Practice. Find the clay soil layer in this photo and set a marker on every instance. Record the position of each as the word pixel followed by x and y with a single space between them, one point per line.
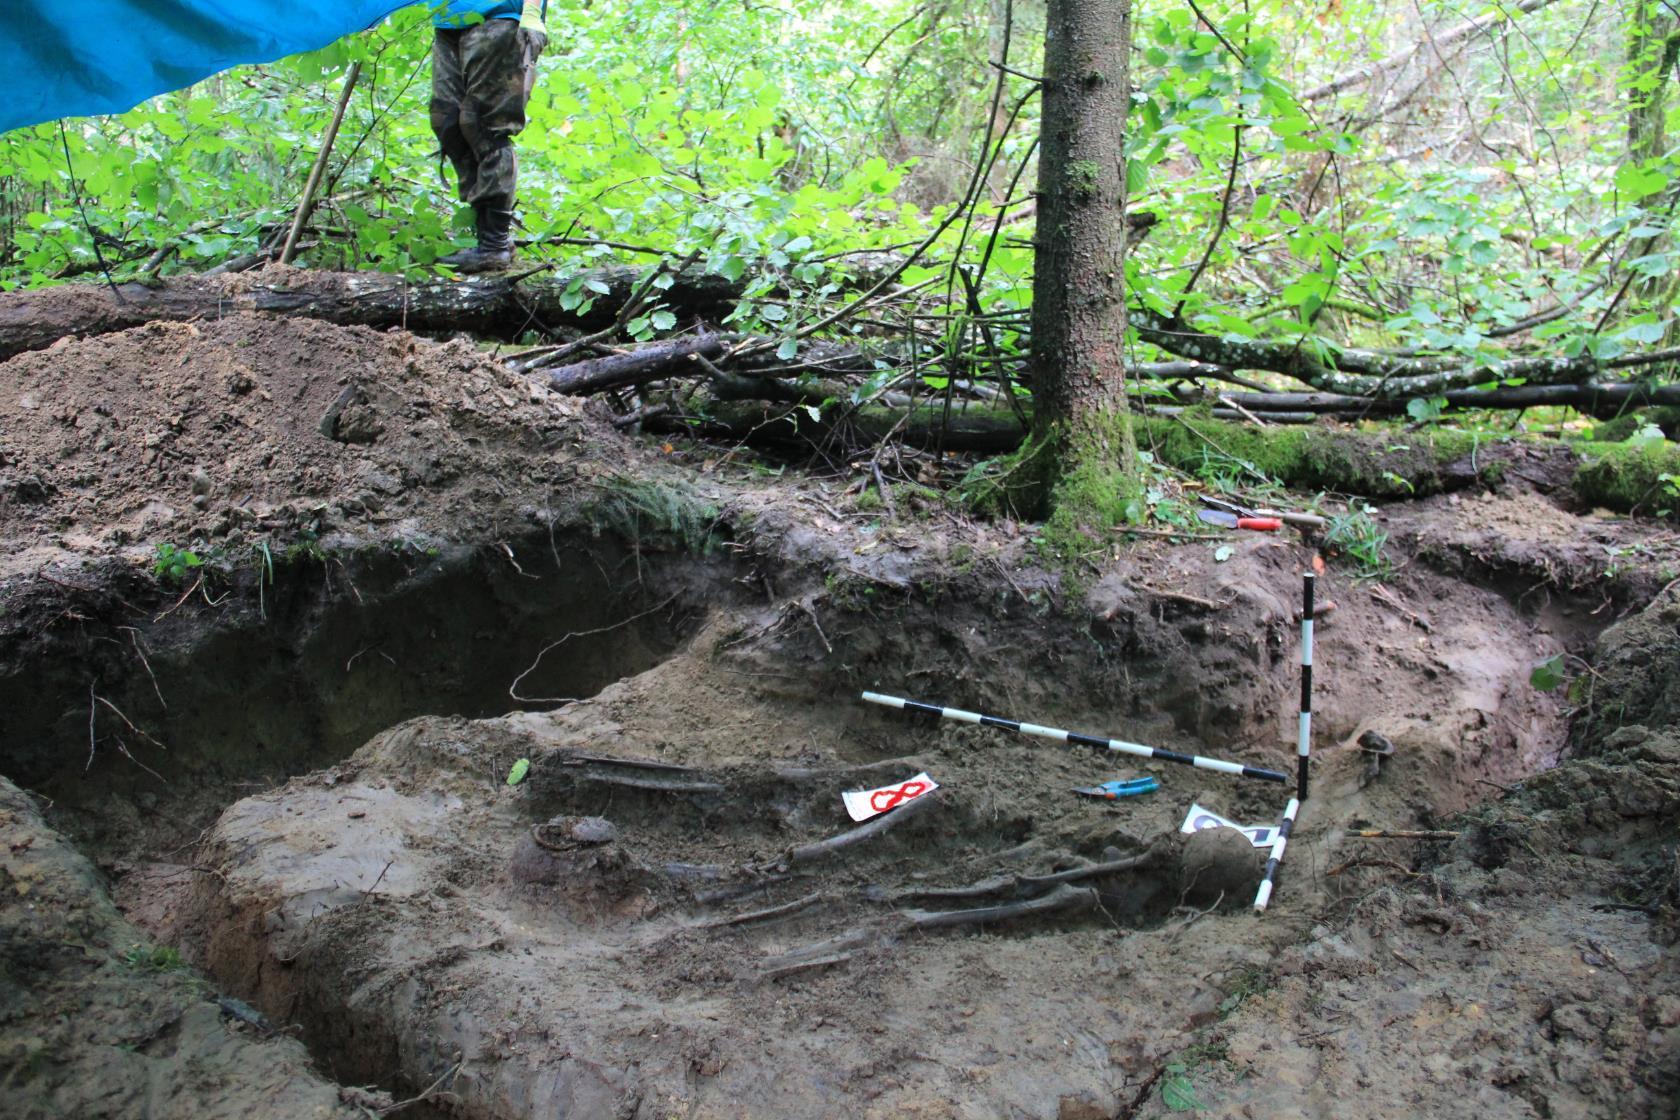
pixel 283 603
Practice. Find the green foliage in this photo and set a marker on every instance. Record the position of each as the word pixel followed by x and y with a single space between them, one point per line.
pixel 689 128
pixel 1178 1092
pixel 1357 536
pixel 1548 674
pixel 641 510
pixel 153 958
pixel 172 563
pixel 520 769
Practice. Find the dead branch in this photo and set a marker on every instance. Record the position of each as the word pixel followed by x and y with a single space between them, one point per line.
pixel 649 363
pixel 1365 74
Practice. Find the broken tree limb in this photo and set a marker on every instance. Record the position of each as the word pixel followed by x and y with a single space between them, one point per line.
pixel 1377 375
pixel 649 363
pixel 1436 43
pixel 1599 398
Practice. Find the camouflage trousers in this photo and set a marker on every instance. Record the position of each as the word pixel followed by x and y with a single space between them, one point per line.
pixel 481 80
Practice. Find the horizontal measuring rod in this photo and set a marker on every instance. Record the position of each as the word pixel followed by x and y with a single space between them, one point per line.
pixel 1074 737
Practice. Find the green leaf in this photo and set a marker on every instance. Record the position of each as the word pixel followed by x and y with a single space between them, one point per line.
pixel 1179 1094
pixel 663 320
pixel 1547 674
pixel 1638 182
pixel 1223 553
pixel 520 769
pixel 788 350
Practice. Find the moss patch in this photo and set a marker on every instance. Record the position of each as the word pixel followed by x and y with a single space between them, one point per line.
pixel 1625 427
pixel 1629 476
pixel 1381 465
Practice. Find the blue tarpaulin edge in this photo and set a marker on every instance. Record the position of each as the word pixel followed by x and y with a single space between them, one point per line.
pixel 106 56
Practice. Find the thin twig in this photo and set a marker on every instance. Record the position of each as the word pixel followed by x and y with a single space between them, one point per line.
pixel 307 202
pixel 381 878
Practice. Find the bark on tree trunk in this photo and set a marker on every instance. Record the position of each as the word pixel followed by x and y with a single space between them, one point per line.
pixel 1079 284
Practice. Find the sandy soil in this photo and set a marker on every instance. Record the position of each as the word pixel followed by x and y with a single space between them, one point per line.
pixel 423 925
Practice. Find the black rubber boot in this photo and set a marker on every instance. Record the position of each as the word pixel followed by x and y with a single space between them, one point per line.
pixel 494 251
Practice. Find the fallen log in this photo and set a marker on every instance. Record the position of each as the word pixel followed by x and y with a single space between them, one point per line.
pixel 493 306
pixel 1598 398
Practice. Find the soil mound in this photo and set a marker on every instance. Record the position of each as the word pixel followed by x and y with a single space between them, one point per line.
pixel 220 433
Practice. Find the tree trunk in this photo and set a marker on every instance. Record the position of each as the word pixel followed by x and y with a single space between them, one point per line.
pixel 1082 427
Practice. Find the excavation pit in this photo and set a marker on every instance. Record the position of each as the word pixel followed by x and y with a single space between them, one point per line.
pixel 659 919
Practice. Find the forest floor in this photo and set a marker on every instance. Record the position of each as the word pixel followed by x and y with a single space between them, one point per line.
pixel 282 603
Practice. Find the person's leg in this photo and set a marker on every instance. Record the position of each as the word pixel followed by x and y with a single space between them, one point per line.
pixel 498 66
pixel 449 95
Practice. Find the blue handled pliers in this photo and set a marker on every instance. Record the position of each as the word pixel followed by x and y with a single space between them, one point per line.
pixel 1113 791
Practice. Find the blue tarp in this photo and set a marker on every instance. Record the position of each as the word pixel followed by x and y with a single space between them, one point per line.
pixel 69 58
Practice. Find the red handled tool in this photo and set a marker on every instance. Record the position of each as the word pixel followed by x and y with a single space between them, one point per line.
pixel 1306 522
pixel 1233 521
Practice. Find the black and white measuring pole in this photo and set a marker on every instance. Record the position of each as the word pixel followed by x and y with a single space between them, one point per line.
pixel 1282 841
pixel 1061 736
pixel 1305 744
